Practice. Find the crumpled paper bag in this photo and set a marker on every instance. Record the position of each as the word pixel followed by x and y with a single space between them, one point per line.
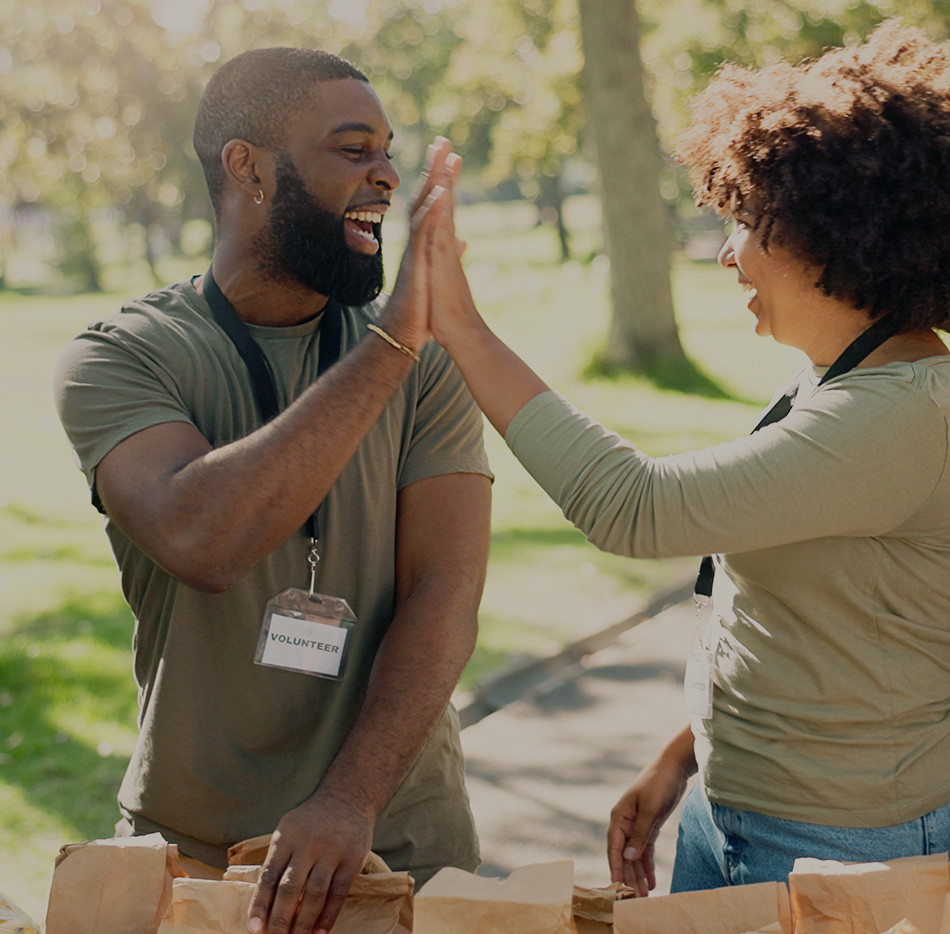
pixel 252 853
pixel 831 897
pixel 206 906
pixel 532 900
pixel 374 905
pixel 731 910
pixel 902 927
pixel 117 886
pixel 593 908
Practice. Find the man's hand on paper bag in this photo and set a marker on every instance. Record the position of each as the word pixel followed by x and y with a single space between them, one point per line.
pixel 317 850
pixel 637 817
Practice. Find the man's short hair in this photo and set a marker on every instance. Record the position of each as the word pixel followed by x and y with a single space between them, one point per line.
pixel 250 98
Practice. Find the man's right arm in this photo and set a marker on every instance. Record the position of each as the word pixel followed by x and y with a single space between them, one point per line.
pixel 207 515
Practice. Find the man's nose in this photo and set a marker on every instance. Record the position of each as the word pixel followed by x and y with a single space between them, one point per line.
pixel 384 174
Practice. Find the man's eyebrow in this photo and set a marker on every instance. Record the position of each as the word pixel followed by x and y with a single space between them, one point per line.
pixel 357 128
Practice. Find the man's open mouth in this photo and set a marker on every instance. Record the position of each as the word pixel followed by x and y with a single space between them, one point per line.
pixel 364 225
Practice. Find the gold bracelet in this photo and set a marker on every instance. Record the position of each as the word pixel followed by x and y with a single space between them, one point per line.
pixel 402 348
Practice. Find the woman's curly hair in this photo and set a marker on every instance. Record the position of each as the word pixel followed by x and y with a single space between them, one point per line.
pixel 846 162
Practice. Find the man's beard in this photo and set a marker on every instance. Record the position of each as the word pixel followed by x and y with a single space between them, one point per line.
pixel 306 243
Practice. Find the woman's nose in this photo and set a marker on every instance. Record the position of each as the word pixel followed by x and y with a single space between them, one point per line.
pixel 727 256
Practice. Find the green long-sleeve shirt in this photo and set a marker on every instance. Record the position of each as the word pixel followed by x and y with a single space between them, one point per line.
pixel 831 624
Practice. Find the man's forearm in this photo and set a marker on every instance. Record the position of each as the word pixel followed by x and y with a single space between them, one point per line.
pixel 224 509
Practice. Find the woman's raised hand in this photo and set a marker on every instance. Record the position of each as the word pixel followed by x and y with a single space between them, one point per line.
pixel 407 314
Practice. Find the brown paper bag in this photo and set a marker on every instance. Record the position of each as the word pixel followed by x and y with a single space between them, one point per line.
pixel 731 910
pixel 206 906
pixel 902 927
pixel 203 906
pixel 532 900
pixel 830 897
pixel 253 852
pixel 250 874
pixel 594 908
pixel 118 886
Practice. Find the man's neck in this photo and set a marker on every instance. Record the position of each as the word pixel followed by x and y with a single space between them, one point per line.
pixel 259 299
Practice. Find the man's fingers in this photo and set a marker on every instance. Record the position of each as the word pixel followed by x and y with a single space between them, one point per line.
pixel 312 900
pixel 453 165
pixel 419 215
pixel 436 154
pixel 334 899
pixel 274 865
pixel 287 900
pixel 438 145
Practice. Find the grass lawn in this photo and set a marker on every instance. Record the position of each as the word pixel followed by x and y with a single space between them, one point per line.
pixel 67 700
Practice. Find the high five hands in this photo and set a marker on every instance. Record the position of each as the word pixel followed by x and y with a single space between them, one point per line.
pixel 431 297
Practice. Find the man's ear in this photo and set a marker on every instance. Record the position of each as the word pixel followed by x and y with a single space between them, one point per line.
pixel 249 167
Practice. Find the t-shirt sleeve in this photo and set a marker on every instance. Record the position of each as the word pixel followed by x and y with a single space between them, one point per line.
pixel 856 459
pixel 105 392
pixel 447 426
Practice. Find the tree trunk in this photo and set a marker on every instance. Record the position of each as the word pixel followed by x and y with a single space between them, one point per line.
pixel 639 238
pixel 80 260
pixel 551 205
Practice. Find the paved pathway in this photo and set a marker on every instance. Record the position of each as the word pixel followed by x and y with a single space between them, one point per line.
pixel 544 771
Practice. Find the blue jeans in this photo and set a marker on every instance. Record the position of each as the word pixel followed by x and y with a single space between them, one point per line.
pixel 719 846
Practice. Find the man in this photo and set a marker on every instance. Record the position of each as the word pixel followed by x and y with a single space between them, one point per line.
pixel 207 504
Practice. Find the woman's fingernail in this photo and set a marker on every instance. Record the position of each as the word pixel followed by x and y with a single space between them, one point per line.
pixel 255 926
pixel 630 854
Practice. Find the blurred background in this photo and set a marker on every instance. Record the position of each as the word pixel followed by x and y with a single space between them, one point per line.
pixel 585 253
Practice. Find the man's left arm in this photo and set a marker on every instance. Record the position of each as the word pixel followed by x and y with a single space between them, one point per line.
pixel 442 551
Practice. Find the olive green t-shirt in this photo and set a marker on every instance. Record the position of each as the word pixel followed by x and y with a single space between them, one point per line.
pixel 831 623
pixel 226 746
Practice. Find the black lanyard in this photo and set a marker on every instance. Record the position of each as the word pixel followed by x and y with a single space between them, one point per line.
pixel 853 354
pixel 261 379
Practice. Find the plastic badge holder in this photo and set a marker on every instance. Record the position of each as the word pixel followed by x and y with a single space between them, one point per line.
pixel 306 633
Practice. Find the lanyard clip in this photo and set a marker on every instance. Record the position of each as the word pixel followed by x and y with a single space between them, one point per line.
pixel 313 559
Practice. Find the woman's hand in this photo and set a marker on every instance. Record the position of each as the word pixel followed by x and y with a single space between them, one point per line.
pixel 407 314
pixel 499 381
pixel 636 819
pixel 454 318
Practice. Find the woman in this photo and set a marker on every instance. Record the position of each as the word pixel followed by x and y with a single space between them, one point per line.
pixel 829 644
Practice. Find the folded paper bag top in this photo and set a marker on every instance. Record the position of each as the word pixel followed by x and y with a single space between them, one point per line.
pixel 116 886
pixel 594 907
pixel 532 900
pixel 203 906
pixel 373 898
pixel 206 906
pixel 831 897
pixel 731 910
pixel 253 852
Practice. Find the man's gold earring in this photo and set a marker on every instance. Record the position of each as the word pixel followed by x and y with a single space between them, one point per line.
pixel 259 197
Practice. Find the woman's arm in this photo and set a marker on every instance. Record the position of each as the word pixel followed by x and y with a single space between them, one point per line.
pixel 637 817
pixel 500 381
pixel 856 459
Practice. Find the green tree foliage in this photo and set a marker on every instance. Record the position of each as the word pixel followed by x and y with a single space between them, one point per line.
pixel 95 117
pixel 97 97
pixel 686 41
pixel 514 101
